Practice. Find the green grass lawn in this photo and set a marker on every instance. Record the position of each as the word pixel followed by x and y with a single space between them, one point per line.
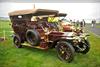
pixel 98 25
pixel 5 26
pixel 11 56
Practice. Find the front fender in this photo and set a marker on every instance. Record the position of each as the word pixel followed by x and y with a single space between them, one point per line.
pixel 57 40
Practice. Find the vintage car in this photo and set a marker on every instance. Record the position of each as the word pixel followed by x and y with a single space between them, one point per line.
pixel 31 26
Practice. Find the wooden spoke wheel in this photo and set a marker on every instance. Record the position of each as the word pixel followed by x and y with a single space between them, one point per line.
pixel 17 41
pixel 83 47
pixel 65 51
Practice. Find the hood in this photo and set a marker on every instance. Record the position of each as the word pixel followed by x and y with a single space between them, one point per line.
pixel 65 34
pixel 69 34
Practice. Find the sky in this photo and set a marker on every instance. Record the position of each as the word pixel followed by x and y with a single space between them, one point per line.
pixel 74 10
pixel 52 1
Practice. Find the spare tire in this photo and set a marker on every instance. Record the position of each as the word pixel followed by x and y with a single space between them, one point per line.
pixel 33 37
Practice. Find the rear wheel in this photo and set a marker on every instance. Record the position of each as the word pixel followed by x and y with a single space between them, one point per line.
pixel 17 41
pixel 65 51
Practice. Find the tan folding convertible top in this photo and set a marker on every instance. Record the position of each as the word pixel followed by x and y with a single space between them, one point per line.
pixel 62 14
pixel 35 12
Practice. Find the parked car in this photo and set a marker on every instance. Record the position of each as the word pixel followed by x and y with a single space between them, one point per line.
pixel 32 26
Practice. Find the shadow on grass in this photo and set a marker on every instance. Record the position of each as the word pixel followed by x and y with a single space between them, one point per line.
pixel 48 52
pixel 51 53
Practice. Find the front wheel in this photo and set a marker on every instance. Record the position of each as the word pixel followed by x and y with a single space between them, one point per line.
pixel 83 47
pixel 65 51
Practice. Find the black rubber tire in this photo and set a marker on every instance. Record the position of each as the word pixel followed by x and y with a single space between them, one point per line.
pixel 17 41
pixel 85 45
pixel 69 50
pixel 33 38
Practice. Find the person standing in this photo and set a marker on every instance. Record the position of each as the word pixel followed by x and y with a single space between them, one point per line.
pixel 77 23
pixel 93 22
pixel 83 22
pixel 73 22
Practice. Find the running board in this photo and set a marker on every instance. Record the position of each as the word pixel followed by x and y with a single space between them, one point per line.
pixel 38 47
